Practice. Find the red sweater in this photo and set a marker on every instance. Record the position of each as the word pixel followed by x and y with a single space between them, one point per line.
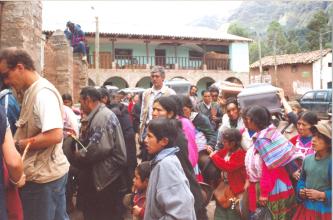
pixel 235 168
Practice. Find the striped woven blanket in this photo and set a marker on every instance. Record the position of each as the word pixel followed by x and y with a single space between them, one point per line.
pixel 274 148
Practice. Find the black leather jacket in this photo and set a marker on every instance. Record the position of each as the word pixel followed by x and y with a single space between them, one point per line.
pixel 106 151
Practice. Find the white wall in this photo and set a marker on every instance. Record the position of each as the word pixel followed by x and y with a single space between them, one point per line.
pixel 239 55
pixel 326 72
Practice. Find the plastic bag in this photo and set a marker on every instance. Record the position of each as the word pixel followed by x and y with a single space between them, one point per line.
pixel 262 213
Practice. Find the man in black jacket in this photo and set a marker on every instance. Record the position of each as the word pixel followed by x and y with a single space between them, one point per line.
pixel 102 161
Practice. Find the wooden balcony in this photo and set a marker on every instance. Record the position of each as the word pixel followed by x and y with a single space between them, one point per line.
pixel 140 62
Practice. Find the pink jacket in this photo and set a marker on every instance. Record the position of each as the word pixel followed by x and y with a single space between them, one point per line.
pixel 189 131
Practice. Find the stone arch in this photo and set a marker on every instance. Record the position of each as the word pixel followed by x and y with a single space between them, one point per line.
pixel 234 80
pixel 116 81
pixel 144 82
pixel 91 82
pixel 204 83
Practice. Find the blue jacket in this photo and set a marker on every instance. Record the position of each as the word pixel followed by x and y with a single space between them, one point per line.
pixel 75 37
pixel 12 108
pixel 3 127
pixel 168 193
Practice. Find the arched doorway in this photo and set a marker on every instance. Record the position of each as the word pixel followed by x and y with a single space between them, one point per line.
pixel 116 81
pixel 203 84
pixel 234 80
pixel 144 82
pixel 91 82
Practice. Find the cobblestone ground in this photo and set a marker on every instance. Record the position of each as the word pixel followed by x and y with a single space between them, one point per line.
pixel 76 215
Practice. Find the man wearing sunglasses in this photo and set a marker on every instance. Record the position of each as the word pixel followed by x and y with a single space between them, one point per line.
pixel 39 129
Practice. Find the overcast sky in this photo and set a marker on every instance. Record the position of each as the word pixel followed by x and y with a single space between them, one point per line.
pixel 131 14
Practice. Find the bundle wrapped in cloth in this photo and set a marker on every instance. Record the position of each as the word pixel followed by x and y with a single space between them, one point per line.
pixel 274 148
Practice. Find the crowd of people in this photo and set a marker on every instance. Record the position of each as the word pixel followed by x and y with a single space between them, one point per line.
pixel 159 154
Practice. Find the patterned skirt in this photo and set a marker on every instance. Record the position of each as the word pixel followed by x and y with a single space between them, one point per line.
pixel 315 213
pixel 281 202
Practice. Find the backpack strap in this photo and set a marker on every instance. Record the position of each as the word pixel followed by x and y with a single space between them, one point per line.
pixel 4 94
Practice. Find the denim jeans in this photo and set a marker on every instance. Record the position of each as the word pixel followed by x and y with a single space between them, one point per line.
pixel 80 48
pixel 45 201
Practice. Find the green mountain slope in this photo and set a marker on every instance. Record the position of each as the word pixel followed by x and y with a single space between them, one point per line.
pixel 290 14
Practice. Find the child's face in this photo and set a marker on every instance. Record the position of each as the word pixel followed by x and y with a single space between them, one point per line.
pixel 138 183
pixel 154 145
pixel 229 145
pixel 318 143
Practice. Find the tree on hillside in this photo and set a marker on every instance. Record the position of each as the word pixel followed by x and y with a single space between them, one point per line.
pixel 238 30
pixel 254 51
pixel 294 41
pixel 318 24
pixel 276 37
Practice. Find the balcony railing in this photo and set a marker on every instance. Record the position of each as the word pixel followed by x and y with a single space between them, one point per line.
pixel 140 62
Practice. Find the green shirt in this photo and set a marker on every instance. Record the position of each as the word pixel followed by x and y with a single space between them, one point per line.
pixel 316 173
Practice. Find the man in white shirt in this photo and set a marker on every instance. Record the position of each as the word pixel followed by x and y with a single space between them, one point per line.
pixel 40 126
pixel 157 76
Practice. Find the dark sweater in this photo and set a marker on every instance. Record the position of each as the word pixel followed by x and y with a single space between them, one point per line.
pixel 195 188
pixel 201 123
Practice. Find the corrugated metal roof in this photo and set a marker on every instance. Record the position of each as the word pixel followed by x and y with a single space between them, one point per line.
pixel 305 58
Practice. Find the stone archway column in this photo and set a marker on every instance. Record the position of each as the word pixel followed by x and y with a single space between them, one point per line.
pixel 80 76
pixel 64 69
pixel 21 26
pixel 59 62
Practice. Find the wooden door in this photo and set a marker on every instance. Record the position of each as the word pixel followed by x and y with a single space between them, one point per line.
pixel 160 58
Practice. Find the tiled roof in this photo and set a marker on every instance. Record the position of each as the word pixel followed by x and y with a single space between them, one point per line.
pixel 183 34
pixel 305 58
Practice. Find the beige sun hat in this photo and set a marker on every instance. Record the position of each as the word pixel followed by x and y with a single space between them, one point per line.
pixel 324 128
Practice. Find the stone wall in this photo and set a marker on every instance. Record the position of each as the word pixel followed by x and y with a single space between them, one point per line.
pixel 59 62
pixel 80 76
pixel 65 70
pixel 21 26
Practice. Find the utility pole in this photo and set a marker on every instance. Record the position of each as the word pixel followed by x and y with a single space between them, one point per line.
pixel 97 53
pixel 275 63
pixel 321 58
pixel 260 66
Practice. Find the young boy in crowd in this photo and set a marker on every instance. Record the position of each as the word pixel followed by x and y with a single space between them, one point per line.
pixel 140 184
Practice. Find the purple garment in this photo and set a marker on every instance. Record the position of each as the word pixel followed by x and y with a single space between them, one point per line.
pixel 189 131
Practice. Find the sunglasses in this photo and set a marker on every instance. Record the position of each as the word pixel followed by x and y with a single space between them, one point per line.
pixel 4 75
